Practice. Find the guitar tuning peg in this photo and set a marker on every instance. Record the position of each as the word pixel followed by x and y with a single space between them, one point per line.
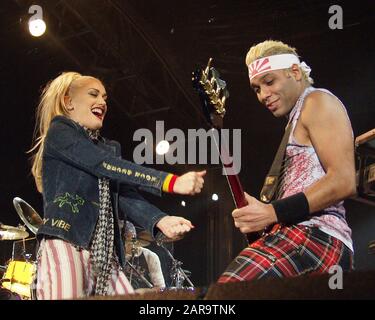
pixel 207 70
pixel 223 100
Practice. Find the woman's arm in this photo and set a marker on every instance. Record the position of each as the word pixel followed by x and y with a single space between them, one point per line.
pixel 65 142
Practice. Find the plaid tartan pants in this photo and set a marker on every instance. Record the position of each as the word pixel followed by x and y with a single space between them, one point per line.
pixel 286 252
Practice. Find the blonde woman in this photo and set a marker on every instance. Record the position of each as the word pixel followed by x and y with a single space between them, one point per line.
pixel 86 185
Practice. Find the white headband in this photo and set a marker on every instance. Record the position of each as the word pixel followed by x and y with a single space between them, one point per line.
pixel 275 62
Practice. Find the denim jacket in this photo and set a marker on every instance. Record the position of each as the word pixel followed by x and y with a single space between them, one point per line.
pixel 72 164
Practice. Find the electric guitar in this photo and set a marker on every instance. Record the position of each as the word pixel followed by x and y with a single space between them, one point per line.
pixel 213 94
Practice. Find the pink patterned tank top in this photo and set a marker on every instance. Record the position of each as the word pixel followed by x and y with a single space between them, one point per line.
pixel 302 169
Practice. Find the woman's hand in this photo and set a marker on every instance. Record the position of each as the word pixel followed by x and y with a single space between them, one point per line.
pixel 173 226
pixel 190 183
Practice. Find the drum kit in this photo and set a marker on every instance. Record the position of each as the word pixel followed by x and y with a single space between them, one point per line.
pixel 177 274
pixel 20 271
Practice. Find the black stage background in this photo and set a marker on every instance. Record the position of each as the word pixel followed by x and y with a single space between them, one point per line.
pixel 145 51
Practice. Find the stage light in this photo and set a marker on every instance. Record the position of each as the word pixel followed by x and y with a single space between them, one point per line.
pixel 162 147
pixel 37 26
pixel 183 203
pixel 215 197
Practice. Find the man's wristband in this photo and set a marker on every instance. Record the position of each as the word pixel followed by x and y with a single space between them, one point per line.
pixel 293 209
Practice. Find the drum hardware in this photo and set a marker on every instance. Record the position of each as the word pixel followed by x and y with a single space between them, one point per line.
pixel 19 274
pixel 12 233
pixel 365 176
pixel 135 245
pixel 4 280
pixel 27 214
pixel 20 271
pixel 132 246
pixel 178 275
pixel 187 272
pixel 144 235
pixel 18 278
pixel 27 256
pixel 148 284
pixel 6 294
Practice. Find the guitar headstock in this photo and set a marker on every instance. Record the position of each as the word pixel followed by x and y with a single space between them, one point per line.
pixel 213 93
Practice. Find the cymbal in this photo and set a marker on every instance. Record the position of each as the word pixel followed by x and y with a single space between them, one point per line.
pixel 12 233
pixel 28 214
pixel 138 242
pixel 144 235
pixel 135 244
pixel 164 239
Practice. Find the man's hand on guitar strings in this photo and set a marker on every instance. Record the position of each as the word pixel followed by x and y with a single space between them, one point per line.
pixel 255 216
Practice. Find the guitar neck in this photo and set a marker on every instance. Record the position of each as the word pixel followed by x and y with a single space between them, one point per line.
pixel 230 173
pixel 213 94
pixel 236 190
pixel 234 183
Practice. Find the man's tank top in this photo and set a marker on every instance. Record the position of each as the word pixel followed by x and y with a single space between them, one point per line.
pixel 302 169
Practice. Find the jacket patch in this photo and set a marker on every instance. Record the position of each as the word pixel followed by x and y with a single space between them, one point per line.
pixel 70 200
pixel 130 172
pixel 57 223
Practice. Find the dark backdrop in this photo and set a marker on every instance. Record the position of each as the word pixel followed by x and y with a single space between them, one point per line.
pixel 145 52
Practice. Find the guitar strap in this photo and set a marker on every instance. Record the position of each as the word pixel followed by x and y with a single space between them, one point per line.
pixel 272 179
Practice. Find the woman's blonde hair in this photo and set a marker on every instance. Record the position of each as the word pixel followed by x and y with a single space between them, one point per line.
pixel 51 104
pixel 270 47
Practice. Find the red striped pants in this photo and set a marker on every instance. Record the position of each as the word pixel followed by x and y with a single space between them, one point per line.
pixel 65 272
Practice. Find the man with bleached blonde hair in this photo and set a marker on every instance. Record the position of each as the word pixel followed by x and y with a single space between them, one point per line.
pixel 304 217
